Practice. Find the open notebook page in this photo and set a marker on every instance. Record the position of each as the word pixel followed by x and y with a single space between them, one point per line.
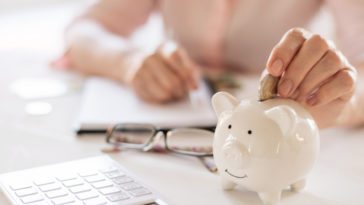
pixel 105 103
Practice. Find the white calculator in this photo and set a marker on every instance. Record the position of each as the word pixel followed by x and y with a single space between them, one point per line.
pixel 92 181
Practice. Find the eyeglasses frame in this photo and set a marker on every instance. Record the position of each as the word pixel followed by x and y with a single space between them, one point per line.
pixel 148 145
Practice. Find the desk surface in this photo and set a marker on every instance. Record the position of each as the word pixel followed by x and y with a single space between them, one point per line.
pixel 28 141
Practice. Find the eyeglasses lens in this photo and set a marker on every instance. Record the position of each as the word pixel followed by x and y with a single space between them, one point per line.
pixel 190 141
pixel 132 134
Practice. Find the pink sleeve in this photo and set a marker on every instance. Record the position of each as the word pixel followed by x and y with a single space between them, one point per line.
pixel 122 16
pixel 349 19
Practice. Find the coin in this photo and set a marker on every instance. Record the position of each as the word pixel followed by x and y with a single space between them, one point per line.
pixel 268 87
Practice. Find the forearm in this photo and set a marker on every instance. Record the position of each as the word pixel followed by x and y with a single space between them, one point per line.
pixel 93 50
pixel 353 113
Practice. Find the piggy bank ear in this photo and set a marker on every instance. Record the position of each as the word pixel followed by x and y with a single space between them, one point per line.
pixel 223 101
pixel 284 116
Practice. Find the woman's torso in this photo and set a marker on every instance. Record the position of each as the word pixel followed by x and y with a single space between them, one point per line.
pixel 234 33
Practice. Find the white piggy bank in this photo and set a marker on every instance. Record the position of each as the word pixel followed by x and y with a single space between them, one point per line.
pixel 264 146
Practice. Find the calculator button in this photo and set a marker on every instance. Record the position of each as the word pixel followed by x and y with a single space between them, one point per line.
pixel 95 201
pixel 87 173
pixel 108 169
pixel 140 192
pixel 49 187
pixel 114 174
pixel 118 197
pixel 73 182
pixel 56 194
pixel 87 195
pixel 79 189
pixel 102 184
pixel 66 177
pixel 110 190
pixel 26 192
pixel 40 182
pixel 75 203
pixel 32 199
pixel 42 203
pixel 131 186
pixel 63 200
pixel 18 186
pixel 122 180
pixel 95 178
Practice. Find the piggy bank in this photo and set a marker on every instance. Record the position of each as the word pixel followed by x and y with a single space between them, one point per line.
pixel 264 146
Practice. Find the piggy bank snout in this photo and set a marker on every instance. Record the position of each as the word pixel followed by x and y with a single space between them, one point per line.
pixel 236 154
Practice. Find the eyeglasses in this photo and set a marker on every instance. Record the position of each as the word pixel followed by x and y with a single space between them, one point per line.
pixel 187 141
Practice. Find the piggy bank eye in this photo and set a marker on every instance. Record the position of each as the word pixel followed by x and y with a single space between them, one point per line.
pixel 229 126
pixel 250 132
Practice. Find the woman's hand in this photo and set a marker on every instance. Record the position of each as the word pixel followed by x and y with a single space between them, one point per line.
pixel 314 73
pixel 165 76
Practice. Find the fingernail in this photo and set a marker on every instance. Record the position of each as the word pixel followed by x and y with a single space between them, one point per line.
pixel 285 87
pixel 295 94
pixel 312 100
pixel 277 67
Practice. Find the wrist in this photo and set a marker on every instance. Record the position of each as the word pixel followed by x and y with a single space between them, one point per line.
pixel 127 65
pixel 352 114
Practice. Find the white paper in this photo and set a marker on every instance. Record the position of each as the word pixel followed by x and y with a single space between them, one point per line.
pixel 106 103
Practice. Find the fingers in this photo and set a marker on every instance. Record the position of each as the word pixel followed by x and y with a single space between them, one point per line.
pixel 283 53
pixel 166 75
pixel 341 86
pixel 308 55
pixel 183 66
pixel 156 80
pixel 166 78
pixel 328 66
pixel 140 90
pixel 177 58
pixel 145 87
pixel 311 70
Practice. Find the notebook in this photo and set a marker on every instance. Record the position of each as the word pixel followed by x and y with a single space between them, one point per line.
pixel 105 103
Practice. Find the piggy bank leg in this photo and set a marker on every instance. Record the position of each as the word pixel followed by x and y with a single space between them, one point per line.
pixel 298 186
pixel 270 197
pixel 227 184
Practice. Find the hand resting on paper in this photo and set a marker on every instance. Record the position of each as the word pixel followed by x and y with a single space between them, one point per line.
pixel 165 76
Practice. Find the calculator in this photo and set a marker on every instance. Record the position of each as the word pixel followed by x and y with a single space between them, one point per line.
pixel 91 181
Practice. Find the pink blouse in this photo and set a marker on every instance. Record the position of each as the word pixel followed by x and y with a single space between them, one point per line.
pixel 241 33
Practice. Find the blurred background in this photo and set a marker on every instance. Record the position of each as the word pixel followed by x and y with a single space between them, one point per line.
pixel 31 36
pixel 35 25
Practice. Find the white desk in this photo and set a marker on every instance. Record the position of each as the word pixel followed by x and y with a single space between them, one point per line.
pixel 28 141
